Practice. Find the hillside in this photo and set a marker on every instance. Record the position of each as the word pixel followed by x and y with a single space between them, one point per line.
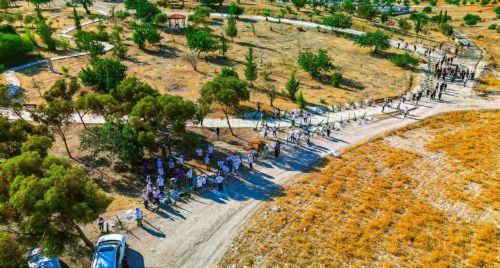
pixel 422 195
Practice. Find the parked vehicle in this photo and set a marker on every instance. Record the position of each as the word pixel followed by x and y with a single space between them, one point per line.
pixel 36 259
pixel 110 252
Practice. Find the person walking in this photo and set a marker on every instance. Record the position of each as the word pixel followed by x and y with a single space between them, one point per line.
pixel 219 180
pixel 189 175
pixel 199 184
pixel 161 183
pixel 275 130
pixel 217 132
pixel 145 198
pixel 210 150
pixel 277 148
pixel 207 162
pixel 100 223
pixel 199 153
pixel 250 161
pixel 138 216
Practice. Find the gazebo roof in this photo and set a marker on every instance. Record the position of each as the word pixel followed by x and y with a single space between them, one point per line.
pixel 176 16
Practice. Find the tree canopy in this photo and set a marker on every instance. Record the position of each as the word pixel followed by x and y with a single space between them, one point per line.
pixel 338 20
pixel 104 74
pixel 315 64
pixel 378 40
pixel 200 40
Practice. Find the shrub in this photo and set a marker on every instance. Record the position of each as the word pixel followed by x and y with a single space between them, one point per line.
pixel 322 101
pixel 492 27
pixel 14 49
pixel 404 24
pixel 471 19
pixel 143 33
pixel 235 10
pixel 446 29
pixel 404 60
pixel 336 79
pixel 104 74
pixel 433 2
pixel 315 64
pixel 301 101
pixel 292 86
pixel 427 9
pixel 7 29
pixel 378 40
pixel 121 14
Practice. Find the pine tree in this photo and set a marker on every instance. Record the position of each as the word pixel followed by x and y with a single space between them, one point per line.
pixel 231 29
pixel 224 47
pixel 292 86
pixel 76 19
pixel 250 66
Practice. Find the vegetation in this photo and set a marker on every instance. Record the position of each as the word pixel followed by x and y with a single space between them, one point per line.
pixel 200 40
pixel 145 32
pixel 292 86
pixel 227 90
pixel 250 66
pixel 378 40
pixel 338 20
pixel 14 49
pixel 404 60
pixel 104 74
pixel 315 64
pixel 144 10
pixel 89 42
pixel 231 28
pixel 471 19
pixel 235 10
pixel 382 203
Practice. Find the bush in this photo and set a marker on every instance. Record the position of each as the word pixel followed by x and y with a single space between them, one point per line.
pixel 336 79
pixel 143 33
pixel 121 15
pixel 14 49
pixel 433 2
pixel 104 74
pixel 7 29
pixel 492 27
pixel 315 64
pixel 301 101
pixel 404 24
pixel 471 19
pixel 404 60
pixel 427 9
pixel 446 29
pixel 378 40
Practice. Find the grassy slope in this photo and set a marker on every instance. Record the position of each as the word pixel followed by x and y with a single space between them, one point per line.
pixel 424 195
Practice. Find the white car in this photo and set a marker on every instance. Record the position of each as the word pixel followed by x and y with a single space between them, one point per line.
pixel 110 252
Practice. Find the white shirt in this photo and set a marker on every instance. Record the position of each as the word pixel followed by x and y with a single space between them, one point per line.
pixel 199 152
pixel 156 193
pixel 159 163
pixel 181 160
pixel 199 182
pixel 220 163
pixel 171 164
pixel 160 171
pixel 219 179
pixel 225 168
pixel 189 174
pixel 207 160
pixel 149 188
pixel 160 181
pixel 144 196
pixel 210 149
pixel 250 158
pixel 138 214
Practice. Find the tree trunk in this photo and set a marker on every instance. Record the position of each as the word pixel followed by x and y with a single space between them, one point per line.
pixel 63 137
pixel 81 119
pixel 86 8
pixel 83 236
pixel 228 124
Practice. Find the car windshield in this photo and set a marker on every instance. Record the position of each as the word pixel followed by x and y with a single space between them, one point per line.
pixel 106 248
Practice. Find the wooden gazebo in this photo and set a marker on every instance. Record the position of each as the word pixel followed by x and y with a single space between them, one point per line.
pixel 175 20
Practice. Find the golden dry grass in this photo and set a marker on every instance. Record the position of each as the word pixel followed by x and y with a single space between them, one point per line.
pixel 426 195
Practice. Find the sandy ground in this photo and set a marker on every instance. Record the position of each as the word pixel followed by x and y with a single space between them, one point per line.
pixel 197 233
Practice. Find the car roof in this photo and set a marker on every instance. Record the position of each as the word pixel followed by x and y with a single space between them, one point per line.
pixel 111 237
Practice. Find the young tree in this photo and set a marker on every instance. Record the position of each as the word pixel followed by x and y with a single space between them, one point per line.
pixel 200 40
pixel 384 17
pixel 104 74
pixel 235 10
pixel 76 19
pixel 338 20
pixel 366 10
pixel 192 59
pixel 45 32
pixel 85 4
pixel 145 32
pixel 315 64
pixel 115 138
pixel 299 4
pixel 378 40
pixel 250 66
pixel 162 120
pixel 224 47
pixel 227 90
pixel 471 19
pixel 231 29
pixel 14 49
pixel 348 6
pixel 404 24
pixel 446 29
pixel 45 199
pixel 419 22
pixel 301 101
pixel 272 93
pixel 200 16
pixel 119 49
pixel 292 86
pixel 404 60
pixel 87 41
pixel 144 10
pixel 267 13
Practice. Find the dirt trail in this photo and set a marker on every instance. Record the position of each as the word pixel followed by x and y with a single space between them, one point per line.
pixel 197 233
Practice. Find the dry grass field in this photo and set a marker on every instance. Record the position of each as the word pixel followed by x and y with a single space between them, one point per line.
pixel 276 47
pixel 425 195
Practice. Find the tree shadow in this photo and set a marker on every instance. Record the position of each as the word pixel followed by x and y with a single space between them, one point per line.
pixel 222 61
pixel 134 258
pixel 164 51
pixel 246 44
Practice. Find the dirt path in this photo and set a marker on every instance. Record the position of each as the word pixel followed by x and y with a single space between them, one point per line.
pixel 197 233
